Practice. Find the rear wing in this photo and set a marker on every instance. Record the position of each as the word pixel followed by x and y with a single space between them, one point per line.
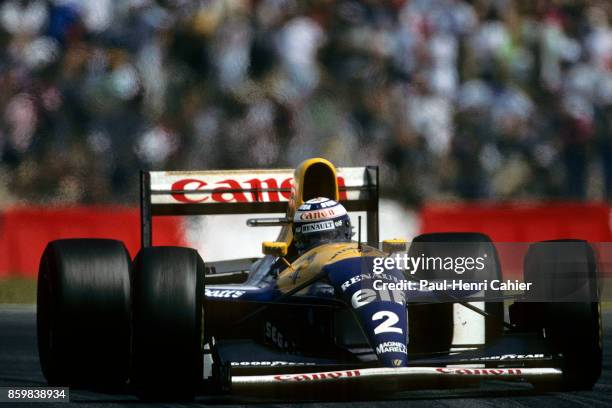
pixel 245 192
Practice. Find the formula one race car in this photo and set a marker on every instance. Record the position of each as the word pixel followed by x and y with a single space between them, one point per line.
pixel 169 325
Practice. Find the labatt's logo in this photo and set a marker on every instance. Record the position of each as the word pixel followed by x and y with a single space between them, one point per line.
pixel 238 191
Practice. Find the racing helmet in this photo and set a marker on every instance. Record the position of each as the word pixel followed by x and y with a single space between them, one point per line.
pixel 320 221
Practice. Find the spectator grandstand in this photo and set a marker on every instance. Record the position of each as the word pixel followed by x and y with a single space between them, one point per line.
pixel 455 99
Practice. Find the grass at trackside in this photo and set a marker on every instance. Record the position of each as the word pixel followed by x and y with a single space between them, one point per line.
pixel 17 290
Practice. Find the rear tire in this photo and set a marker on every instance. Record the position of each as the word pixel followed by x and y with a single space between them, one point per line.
pixel 83 313
pixel 564 272
pixel 168 291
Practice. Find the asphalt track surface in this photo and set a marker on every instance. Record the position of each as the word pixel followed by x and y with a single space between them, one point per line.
pixel 19 367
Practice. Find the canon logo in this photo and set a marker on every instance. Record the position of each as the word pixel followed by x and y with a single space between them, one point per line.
pixel 318 214
pixel 332 375
pixel 480 371
pixel 193 190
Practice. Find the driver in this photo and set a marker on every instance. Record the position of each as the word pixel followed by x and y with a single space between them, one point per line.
pixel 320 221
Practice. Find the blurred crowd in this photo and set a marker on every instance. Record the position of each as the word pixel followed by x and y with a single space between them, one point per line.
pixel 454 99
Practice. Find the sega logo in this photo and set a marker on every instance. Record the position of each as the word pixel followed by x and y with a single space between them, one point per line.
pixel 277 337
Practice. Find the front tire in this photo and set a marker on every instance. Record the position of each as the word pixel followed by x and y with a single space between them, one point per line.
pixel 431 326
pixel 83 313
pixel 168 291
pixel 564 309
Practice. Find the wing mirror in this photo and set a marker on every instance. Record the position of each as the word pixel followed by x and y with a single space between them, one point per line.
pixel 278 249
pixel 394 245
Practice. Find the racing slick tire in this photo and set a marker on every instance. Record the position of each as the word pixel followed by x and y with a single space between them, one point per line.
pixel 430 335
pixel 168 292
pixel 83 313
pixel 564 273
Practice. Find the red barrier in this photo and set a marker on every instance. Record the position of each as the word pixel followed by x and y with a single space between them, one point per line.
pixel 521 222
pixel 516 223
pixel 24 232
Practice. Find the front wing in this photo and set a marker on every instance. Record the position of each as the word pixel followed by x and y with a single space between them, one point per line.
pixel 515 357
pixel 401 377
